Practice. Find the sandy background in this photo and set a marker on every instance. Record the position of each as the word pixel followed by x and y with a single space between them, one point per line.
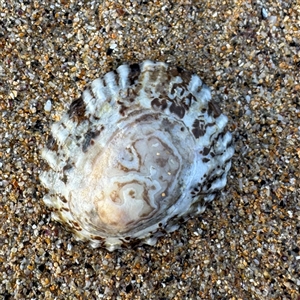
pixel 246 244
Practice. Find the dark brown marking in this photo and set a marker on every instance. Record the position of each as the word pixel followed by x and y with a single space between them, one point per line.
pixel 214 108
pixel 205 160
pixel 122 110
pixel 198 129
pixel 177 110
pixel 78 229
pixel 186 76
pixel 51 143
pixel 88 138
pixel 198 132
pixel 131 94
pixel 205 151
pixel 134 73
pixel 77 110
pixel 76 224
pixel 177 85
pixel 131 243
pixel 210 124
pixel 67 167
pixel 196 123
pixel 182 73
pixel 174 71
pixel 155 103
pixel 179 69
pixel 98 238
pixel 64 178
pixel 63 199
pixel 187 101
pixel 117 77
pixel 89 88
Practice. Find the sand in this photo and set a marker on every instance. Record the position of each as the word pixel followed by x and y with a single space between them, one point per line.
pixel 246 244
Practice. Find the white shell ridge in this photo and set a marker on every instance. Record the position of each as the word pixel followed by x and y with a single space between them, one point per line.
pixel 143 147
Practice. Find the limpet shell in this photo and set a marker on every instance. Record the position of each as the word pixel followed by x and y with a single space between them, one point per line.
pixel 143 148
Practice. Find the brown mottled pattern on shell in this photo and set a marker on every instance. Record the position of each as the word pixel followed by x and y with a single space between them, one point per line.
pixel 51 143
pixel 198 128
pixel 213 108
pixel 88 138
pixel 77 110
pixel 134 74
pixel 166 96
